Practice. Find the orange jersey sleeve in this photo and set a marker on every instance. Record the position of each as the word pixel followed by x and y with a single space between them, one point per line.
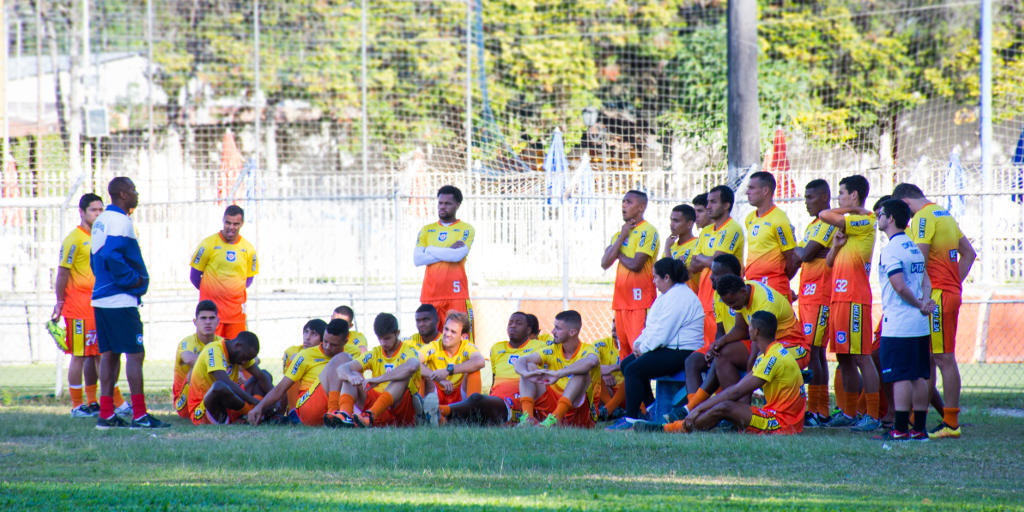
pixel 225 268
pixel 783 391
pixel 75 255
pixel 685 252
pixel 816 275
pixel 635 290
pixel 936 227
pixel 769 236
pixel 852 265
pixel 445 280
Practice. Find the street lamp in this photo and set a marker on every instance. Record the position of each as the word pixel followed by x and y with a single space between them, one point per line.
pixel 590 119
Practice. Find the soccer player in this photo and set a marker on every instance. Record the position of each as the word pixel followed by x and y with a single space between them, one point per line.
pixel 681 244
pixel 223 267
pixel 214 395
pixel 304 375
pixel 356 345
pixel 850 306
pixel 504 354
pixel 426 327
pixel 189 349
pixel 452 363
pixel 74 291
pixel 561 378
pixel 534 323
pixel 948 259
pixel 814 295
pixel 775 371
pixel 442 247
pixel 121 281
pixel 722 235
pixel 312 336
pixel 728 360
pixel 386 397
pixel 746 297
pixel 634 248
pixel 771 257
pixel 905 332
pixel 613 392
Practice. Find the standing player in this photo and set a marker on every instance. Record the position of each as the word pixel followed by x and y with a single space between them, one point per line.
pixel 561 378
pixel 815 293
pixel 223 267
pixel 452 363
pixel 904 333
pixel 188 350
pixel 634 247
pixel 681 244
pixel 356 345
pixel 74 291
pixel 426 327
pixel 948 257
pixel 772 259
pixel 722 235
pixel 442 247
pixel 850 308
pixel 214 395
pixel 121 281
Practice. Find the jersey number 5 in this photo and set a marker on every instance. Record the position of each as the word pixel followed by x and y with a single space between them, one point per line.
pixel 841 285
pixel 456 287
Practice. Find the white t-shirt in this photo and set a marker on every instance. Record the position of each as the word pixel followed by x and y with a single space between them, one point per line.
pixel 675 321
pixel 900 319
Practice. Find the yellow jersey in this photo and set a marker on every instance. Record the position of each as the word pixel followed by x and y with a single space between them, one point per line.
pixel 553 358
pixel 225 268
pixel 770 235
pixel 724 314
pixel 764 298
pixel 608 354
pixel 192 345
pixel 356 345
pixel 504 357
pixel 304 369
pixel 380 363
pixel 816 275
pixel 213 358
pixel 853 262
pixel 288 353
pixel 635 290
pixel 435 357
pixel 445 280
pixel 75 255
pixel 935 226
pixel 783 387
pixel 685 252
pixel 417 341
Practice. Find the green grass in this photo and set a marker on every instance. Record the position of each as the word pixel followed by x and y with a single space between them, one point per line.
pixel 50 461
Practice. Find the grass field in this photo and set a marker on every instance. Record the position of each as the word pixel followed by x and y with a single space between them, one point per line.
pixel 50 461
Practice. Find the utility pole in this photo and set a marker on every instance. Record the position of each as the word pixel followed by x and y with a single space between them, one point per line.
pixel 744 139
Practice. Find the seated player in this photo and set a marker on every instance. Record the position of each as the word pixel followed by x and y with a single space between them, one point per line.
pixel 559 381
pixel 426 327
pixel 452 363
pixel 356 345
pixel 385 398
pixel 775 371
pixel 312 336
pixel 303 375
pixel 746 297
pixel 214 396
pixel 535 333
pixel 188 349
pixel 613 392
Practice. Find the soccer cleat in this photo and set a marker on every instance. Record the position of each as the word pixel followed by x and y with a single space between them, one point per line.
pixel 811 420
pixel 58 334
pixel 148 421
pixel 648 426
pixel 82 411
pixel 944 431
pixel 527 420
pixel 676 414
pixel 431 410
pixel 622 424
pixel 549 422
pixel 918 436
pixel 866 424
pixel 417 407
pixel 125 410
pixel 893 435
pixel 338 419
pixel 94 408
pixel 363 420
pixel 293 417
pixel 114 421
pixel 841 420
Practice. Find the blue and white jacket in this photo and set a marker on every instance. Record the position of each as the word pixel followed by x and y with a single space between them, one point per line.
pixel 116 261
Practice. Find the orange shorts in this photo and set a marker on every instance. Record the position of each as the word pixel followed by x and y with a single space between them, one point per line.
pixel 180 400
pixel 400 414
pixel 850 326
pixel 710 330
pixel 444 306
pixel 229 331
pixel 765 421
pixel 80 336
pixel 200 416
pixel 814 318
pixel 449 398
pixel 629 323
pixel 580 416
pixel 311 406
pixel 943 321
pixel 508 390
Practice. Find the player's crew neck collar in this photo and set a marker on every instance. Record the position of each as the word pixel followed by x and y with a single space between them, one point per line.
pixel 442 224
pixel 765 213
pixel 722 225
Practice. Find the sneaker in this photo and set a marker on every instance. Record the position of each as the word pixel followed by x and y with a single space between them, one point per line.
pixel 94 408
pixel 363 420
pixel 293 417
pixel 893 435
pixel 549 422
pixel 114 421
pixel 417 408
pixel 527 420
pixel 124 411
pixel 431 410
pixel 58 334
pixel 812 420
pixel 338 419
pixel 918 436
pixel 648 426
pixel 148 421
pixel 944 431
pixel 622 424
pixel 676 414
pixel 82 411
pixel 841 420
pixel 866 424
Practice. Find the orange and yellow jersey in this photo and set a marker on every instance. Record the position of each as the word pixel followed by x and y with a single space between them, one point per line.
pixel 380 363
pixel 553 358
pixel 852 264
pixel 225 268
pixel 705 247
pixel 729 238
pixel 417 341
pixel 189 344
pixel 288 353
pixel 608 354
pixel 816 275
pixel 764 298
pixel 75 255
pixel 783 387
pixel 213 358
pixel 445 280
pixel 356 345
pixel 934 226
pixel 724 314
pixel 545 337
pixel 504 356
pixel 635 290
pixel 770 235
pixel 685 252
pixel 304 369
pixel 435 357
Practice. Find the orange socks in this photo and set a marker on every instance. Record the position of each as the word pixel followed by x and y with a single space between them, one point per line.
pixel 851 403
pixel 817 399
pixel 674 427
pixel 696 398
pixel 617 399
pixel 118 399
pixel 564 404
pixel 862 403
pixel 473 384
pixel 527 403
pixel 873 403
pixel 76 395
pixel 333 400
pixel 90 394
pixel 381 404
pixel 346 403
pixel 951 416
pixel 445 410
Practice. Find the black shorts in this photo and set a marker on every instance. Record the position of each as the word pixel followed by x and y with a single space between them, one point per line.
pixel 119 330
pixel 904 358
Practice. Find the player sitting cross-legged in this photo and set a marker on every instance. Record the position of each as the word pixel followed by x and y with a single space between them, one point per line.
pixel 452 363
pixel 188 350
pixel 214 396
pixel 356 345
pixel 560 379
pixel 385 398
